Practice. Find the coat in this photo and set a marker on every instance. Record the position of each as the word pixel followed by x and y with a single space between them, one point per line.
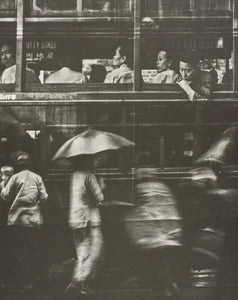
pixel 25 191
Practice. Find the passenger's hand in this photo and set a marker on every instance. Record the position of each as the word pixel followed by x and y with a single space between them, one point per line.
pixel 183 83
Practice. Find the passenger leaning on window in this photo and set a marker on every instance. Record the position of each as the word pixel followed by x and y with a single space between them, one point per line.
pixel 122 61
pixel 164 72
pixel 68 73
pixel 9 61
pixel 196 84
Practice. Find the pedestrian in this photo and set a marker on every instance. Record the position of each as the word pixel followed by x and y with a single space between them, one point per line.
pixel 6 173
pixel 25 192
pixel 85 222
pixel 154 228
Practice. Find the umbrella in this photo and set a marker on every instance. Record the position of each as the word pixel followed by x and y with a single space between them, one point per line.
pixel 91 142
pixel 222 152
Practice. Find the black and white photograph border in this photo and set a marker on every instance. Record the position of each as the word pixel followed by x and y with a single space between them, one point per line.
pixel 118 149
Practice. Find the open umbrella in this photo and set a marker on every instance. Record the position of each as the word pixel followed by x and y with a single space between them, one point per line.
pixel 222 152
pixel 91 142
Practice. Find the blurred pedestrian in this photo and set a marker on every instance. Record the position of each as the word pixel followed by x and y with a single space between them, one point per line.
pixel 154 227
pixel 25 192
pixel 85 221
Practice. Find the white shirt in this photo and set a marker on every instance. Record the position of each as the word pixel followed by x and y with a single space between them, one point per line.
pixel 123 74
pixel 65 75
pixel 9 75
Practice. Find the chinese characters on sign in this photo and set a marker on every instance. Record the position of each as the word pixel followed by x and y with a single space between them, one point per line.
pixel 39 50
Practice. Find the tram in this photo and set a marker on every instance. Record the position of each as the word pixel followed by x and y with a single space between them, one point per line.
pixel 40 117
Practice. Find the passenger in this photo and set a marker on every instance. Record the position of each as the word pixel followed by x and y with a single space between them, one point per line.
pixel 122 61
pixel 98 73
pixel 68 72
pixel 207 66
pixel 25 192
pixel 165 74
pixel 9 61
pixel 84 219
pixel 196 84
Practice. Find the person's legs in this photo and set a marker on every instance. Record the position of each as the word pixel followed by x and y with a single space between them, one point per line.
pixel 82 246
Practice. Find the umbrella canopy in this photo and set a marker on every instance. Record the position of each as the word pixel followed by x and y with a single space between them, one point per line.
pixel 222 152
pixel 91 142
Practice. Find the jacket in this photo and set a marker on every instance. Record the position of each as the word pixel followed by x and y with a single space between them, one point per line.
pixel 25 191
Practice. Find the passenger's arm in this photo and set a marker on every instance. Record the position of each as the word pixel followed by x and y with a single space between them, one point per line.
pixel 42 196
pixel 95 189
pixel 8 192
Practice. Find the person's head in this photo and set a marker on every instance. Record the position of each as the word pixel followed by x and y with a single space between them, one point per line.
pixel 164 61
pixel 23 161
pixel 83 162
pixel 188 64
pixel 98 73
pixel 6 173
pixel 69 58
pixel 7 55
pixel 123 55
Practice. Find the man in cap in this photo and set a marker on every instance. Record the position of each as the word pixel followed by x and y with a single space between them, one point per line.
pixel 25 192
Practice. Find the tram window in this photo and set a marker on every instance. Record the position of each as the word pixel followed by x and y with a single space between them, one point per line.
pixel 83 7
pixel 78 61
pixel 107 5
pixel 213 5
pixel 161 59
pixel 6 5
pixel 166 7
pixel 54 5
